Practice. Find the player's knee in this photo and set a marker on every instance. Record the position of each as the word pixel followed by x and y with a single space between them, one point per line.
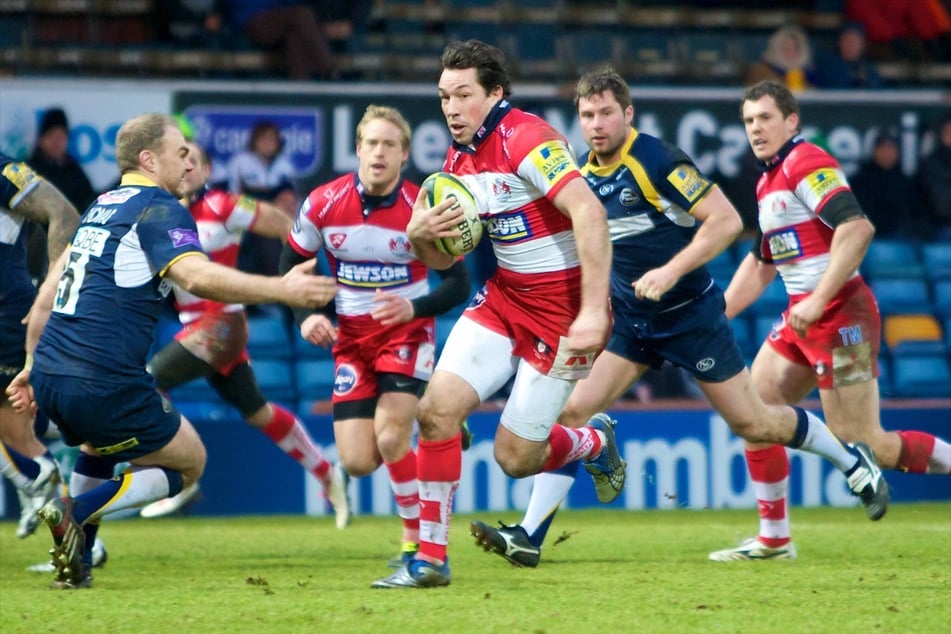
pixel 572 416
pixel 516 464
pixel 435 423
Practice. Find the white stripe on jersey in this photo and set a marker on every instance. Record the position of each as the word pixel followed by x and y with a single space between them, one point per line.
pixel 10 227
pixel 132 267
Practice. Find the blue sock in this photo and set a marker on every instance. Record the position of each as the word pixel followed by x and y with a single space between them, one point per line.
pixel 27 466
pixel 802 428
pixel 538 537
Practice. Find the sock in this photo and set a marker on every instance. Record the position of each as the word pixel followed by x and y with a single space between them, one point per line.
pixel 439 467
pixel 406 493
pixel 89 473
pixel 568 444
pixel 136 486
pixel 549 489
pixel 813 436
pixel 923 453
pixel 22 470
pixel 291 436
pixel 769 471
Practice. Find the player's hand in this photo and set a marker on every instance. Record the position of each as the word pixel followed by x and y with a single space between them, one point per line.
pixel 304 289
pixel 589 331
pixel 428 223
pixel 318 330
pixel 653 284
pixel 804 314
pixel 391 309
pixel 20 393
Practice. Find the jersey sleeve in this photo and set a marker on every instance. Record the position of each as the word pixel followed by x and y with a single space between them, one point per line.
pixel 16 181
pixel 814 176
pixel 236 211
pixel 543 158
pixel 166 233
pixel 305 237
pixel 678 179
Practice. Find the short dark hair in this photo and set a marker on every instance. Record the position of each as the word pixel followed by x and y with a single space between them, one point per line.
pixel 488 61
pixel 783 97
pixel 603 79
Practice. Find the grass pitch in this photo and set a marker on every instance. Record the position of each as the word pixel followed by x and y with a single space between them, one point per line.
pixel 615 571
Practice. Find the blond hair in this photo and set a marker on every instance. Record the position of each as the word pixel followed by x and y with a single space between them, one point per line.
pixel 144 132
pixel 387 113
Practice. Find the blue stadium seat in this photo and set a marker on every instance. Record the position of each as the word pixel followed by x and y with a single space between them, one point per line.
pixel 936 257
pixel 921 377
pixel 902 295
pixel 276 379
pixel 884 376
pixel 723 266
pixel 772 302
pixel 743 333
pixel 209 411
pixel 443 325
pixel 762 326
pixel 892 258
pixel 941 291
pixel 194 391
pixel 315 378
pixel 268 338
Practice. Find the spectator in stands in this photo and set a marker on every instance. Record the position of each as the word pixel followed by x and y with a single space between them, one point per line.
pixel 51 159
pixel 787 59
pixel 287 24
pixel 341 21
pixel 912 29
pixel 934 181
pixel 847 66
pixel 886 195
pixel 263 172
pixel 192 22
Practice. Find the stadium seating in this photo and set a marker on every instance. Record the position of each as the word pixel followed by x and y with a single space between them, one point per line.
pixel 902 295
pixel 772 302
pixel 925 376
pixel 892 258
pixel 276 379
pixel 912 335
pixel 268 338
pixel 942 297
pixel 936 257
pixel 315 378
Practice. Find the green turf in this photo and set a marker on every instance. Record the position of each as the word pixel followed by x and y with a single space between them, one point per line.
pixel 616 572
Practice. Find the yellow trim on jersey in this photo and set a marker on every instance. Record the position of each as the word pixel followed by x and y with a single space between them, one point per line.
pixel 637 170
pixel 179 257
pixel 134 178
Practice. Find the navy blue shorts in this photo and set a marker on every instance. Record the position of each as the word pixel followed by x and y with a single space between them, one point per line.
pixel 696 337
pixel 12 355
pixel 122 419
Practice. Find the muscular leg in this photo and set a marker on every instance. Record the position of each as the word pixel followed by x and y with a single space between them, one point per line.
pixel 393 425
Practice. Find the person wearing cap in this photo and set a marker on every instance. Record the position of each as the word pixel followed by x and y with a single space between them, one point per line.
pixel 52 160
pixel 884 192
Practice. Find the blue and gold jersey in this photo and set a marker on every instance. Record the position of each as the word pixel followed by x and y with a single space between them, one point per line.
pixel 16 287
pixel 110 293
pixel 648 195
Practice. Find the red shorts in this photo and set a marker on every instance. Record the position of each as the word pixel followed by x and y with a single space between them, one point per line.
pixel 220 339
pixel 536 316
pixel 842 347
pixel 365 349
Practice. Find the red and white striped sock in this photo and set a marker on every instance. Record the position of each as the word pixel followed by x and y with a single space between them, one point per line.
pixel 439 467
pixel 769 471
pixel 923 453
pixel 568 444
pixel 406 493
pixel 291 436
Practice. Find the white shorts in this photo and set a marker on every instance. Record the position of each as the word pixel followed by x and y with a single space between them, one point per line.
pixel 484 360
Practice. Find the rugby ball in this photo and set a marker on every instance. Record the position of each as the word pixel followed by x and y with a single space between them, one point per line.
pixel 439 187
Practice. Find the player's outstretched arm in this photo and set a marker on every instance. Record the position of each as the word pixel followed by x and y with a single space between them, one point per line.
pixel 207 279
pixel 270 221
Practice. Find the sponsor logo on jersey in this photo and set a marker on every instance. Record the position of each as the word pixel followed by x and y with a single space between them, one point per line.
pixel 183 236
pixel 91 240
pixel 400 246
pixel 509 228
pixel 98 215
pixel 705 365
pixel 345 379
pixel 688 181
pixel 337 239
pixel 784 245
pixel 553 160
pixel 823 181
pixel 19 174
pixel 501 189
pixel 372 274
pixel 117 196
pixel 629 197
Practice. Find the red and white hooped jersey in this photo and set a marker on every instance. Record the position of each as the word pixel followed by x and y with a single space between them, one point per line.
pixel 516 165
pixel 222 219
pixel 791 197
pixel 366 247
